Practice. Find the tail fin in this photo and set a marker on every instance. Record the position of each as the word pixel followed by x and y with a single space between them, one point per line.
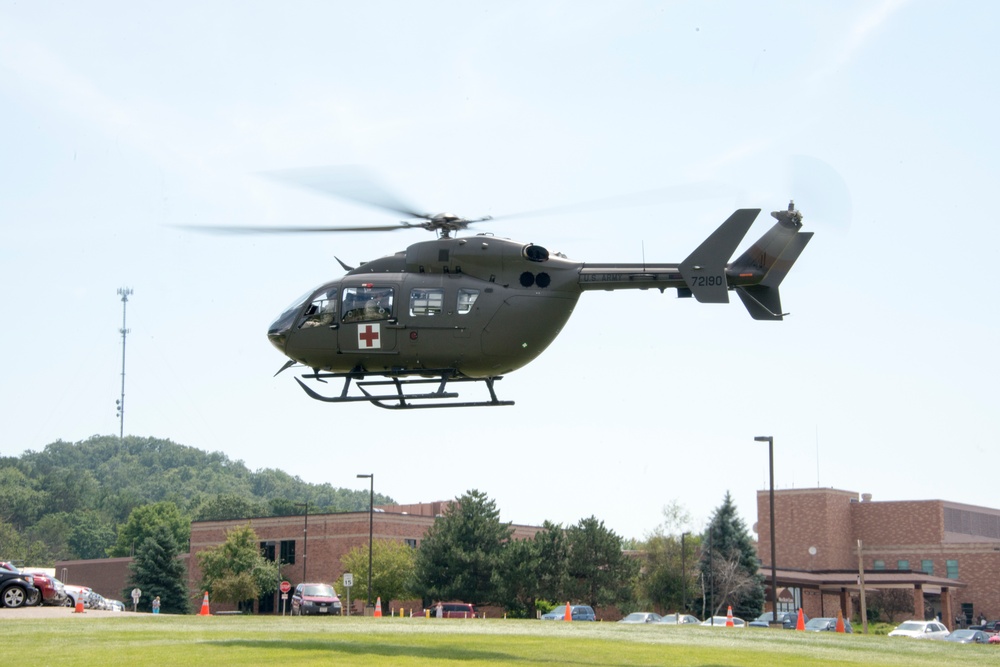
pixel 704 270
pixel 768 261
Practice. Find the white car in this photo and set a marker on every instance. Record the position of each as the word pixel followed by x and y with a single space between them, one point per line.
pixel 641 617
pixel 720 622
pixel 921 630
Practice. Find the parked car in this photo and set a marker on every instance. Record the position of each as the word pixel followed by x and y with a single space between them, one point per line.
pixel 788 619
pixel 968 636
pixel 52 590
pixel 315 598
pixel 578 612
pixel 920 630
pixel 82 593
pixel 679 619
pixel 720 621
pixel 453 610
pixel 16 589
pixel 639 617
pixel 990 627
pixel 827 624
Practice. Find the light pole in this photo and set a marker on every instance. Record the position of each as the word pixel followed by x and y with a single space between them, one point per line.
pixel 774 568
pixel 305 538
pixel 371 516
pixel 683 577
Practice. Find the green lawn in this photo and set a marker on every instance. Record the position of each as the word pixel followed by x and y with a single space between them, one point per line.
pixel 127 639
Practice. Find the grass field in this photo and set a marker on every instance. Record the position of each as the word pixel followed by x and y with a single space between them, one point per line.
pixel 143 639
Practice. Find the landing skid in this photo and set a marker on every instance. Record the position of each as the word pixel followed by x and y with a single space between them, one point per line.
pixel 373 390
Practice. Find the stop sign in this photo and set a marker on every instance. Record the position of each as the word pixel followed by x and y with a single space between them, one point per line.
pixel 285 587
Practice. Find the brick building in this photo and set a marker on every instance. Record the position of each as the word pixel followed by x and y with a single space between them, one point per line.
pixel 946 553
pixel 310 545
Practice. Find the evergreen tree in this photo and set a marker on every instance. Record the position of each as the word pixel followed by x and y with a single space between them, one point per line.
pixel 729 565
pixel 145 521
pixel 461 553
pixel 157 571
pixel 598 572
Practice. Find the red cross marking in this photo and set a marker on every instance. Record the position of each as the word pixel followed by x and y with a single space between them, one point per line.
pixel 369 336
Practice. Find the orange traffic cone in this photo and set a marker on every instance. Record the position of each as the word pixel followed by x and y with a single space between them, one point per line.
pixel 568 616
pixel 729 617
pixel 840 621
pixel 378 607
pixel 204 606
pixel 78 608
pixel 800 624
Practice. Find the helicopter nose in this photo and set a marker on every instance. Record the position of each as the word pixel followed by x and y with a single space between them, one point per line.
pixel 278 337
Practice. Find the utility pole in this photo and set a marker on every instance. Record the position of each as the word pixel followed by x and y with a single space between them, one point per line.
pixel 124 293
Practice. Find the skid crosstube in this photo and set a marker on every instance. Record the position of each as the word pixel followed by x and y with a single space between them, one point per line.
pixel 372 390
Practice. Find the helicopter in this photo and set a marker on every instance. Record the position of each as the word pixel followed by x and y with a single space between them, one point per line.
pixel 406 328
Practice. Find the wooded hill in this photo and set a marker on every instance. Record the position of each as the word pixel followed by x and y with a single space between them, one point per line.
pixel 70 499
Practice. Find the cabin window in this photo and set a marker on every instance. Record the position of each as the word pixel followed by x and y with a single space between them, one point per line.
pixel 426 301
pixel 322 309
pixel 466 299
pixel 367 303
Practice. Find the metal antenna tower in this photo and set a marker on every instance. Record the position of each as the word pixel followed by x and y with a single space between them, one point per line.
pixel 124 293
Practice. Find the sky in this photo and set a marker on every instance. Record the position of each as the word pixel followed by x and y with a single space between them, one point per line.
pixel 121 122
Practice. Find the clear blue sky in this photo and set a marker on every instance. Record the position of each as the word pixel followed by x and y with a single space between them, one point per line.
pixel 119 120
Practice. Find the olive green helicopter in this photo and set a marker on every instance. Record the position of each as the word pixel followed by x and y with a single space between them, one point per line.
pixel 406 328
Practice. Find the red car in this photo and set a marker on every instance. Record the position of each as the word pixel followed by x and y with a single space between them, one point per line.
pixel 52 589
pixel 315 599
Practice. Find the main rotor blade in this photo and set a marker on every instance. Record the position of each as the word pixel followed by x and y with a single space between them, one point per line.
pixel 292 230
pixel 352 183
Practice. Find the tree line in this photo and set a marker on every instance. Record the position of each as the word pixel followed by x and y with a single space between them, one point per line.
pixel 468 554
pixel 76 500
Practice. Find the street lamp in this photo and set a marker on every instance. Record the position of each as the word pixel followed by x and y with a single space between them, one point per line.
pixel 774 568
pixel 305 539
pixel 371 516
pixel 683 577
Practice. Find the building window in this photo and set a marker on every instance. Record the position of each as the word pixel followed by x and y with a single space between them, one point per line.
pixel 902 565
pixel 267 550
pixel 952 567
pixel 927 566
pixel 288 552
pixel 410 543
pixel 880 565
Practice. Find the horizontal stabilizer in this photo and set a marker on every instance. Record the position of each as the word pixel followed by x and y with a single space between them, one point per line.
pixel 704 270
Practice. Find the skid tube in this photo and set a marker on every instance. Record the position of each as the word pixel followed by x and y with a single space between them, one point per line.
pixel 399 400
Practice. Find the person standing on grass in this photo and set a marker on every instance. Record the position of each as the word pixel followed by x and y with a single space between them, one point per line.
pixel 156 605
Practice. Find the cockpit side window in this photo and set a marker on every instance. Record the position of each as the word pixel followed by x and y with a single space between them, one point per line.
pixel 322 310
pixel 466 299
pixel 426 301
pixel 367 303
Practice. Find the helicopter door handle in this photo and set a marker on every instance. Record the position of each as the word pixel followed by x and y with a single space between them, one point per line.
pixel 334 326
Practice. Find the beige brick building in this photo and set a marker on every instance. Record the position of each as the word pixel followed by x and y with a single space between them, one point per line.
pixel 947 553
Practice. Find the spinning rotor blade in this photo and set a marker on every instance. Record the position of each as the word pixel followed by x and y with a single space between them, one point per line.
pixel 294 230
pixel 352 183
